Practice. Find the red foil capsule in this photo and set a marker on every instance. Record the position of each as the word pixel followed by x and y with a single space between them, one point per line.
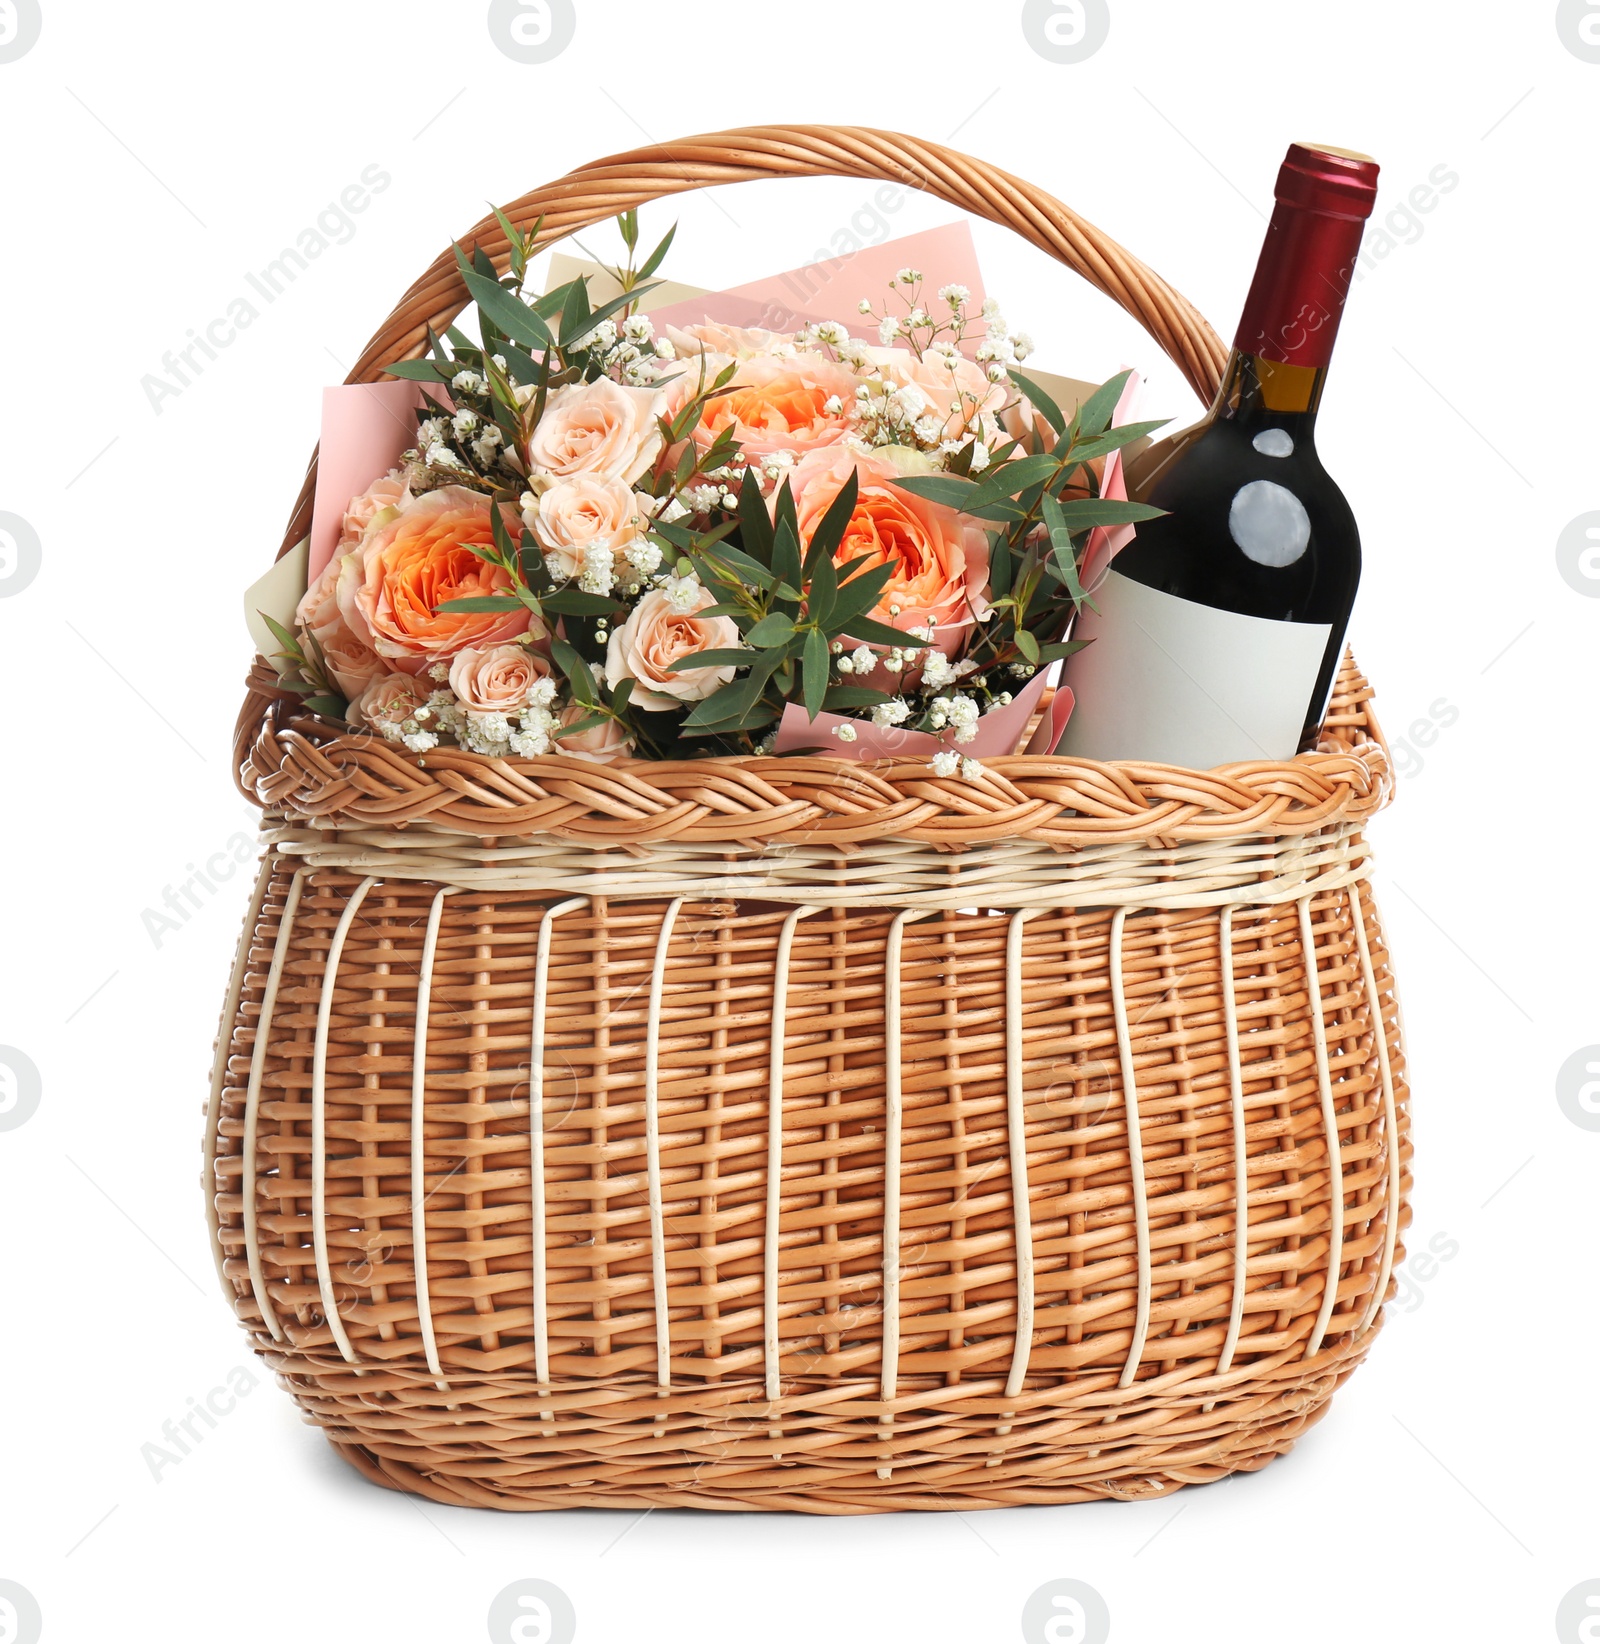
pixel 1324 198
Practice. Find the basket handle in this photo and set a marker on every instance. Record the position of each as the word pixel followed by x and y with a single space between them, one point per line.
pixel 604 188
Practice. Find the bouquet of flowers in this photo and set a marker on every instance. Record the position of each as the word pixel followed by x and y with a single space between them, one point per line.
pixel 609 542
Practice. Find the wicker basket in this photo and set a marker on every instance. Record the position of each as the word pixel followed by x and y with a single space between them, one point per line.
pixel 905 1143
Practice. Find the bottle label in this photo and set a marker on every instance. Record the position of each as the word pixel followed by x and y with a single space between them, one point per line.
pixel 1172 682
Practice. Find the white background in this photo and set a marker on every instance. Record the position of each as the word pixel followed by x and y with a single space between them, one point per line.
pixel 154 154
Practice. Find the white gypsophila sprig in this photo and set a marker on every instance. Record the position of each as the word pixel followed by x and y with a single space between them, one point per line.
pixel 598 573
pixel 683 592
pixel 643 557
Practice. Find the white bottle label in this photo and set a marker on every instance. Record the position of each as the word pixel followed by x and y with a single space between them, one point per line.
pixel 1171 682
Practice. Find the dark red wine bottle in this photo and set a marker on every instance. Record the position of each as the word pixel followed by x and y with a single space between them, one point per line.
pixel 1219 628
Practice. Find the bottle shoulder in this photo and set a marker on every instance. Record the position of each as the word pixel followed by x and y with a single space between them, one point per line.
pixel 1253 523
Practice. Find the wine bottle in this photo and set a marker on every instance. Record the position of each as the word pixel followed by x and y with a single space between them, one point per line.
pixel 1218 629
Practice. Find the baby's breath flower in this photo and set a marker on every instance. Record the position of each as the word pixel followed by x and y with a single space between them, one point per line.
pixel 894 712
pixel 955 295
pixel 1022 345
pixel 864 306
pixel 638 328
pixel 467 382
pixel 832 333
pixel 682 591
pixel 845 732
pixel 888 329
pixel 598 575
pixel 971 769
pixel 665 348
pixel 908 276
pixel 946 762
pixel 865 659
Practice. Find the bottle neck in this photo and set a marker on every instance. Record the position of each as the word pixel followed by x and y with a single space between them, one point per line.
pixel 1259 393
pixel 1297 297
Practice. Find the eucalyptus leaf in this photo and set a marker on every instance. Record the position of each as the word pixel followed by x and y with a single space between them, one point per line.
pixel 653 261
pixel 511 315
pixel 841 697
pixel 723 657
pixel 879 633
pixel 574 602
pixel 814 671
pixel 1095 414
pixel 773 629
pixel 1040 400
pixel 418 371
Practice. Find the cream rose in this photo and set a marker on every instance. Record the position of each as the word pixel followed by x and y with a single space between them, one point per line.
pixel 572 515
pixel 353 663
pixel 496 679
pixel 603 744
pixel 655 636
pixel 601 429
pixel 735 341
pixel 392 491
pixel 388 700
pixel 940 558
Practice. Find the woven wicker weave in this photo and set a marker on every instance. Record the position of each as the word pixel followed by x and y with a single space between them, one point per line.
pixel 904 1142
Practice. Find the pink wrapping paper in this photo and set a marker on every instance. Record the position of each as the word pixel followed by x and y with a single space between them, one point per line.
pixel 831 289
pixel 365 427
pixel 998 733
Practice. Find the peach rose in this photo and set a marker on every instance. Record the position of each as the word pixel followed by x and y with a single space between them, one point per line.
pixel 413 562
pixel 598 428
pixel 571 515
pixel 388 700
pixel 603 744
pixel 655 635
pixel 776 404
pixel 956 389
pixel 496 679
pixel 392 491
pixel 353 664
pixel 940 558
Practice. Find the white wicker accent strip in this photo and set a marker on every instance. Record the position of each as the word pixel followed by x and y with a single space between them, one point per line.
pixel 894 873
